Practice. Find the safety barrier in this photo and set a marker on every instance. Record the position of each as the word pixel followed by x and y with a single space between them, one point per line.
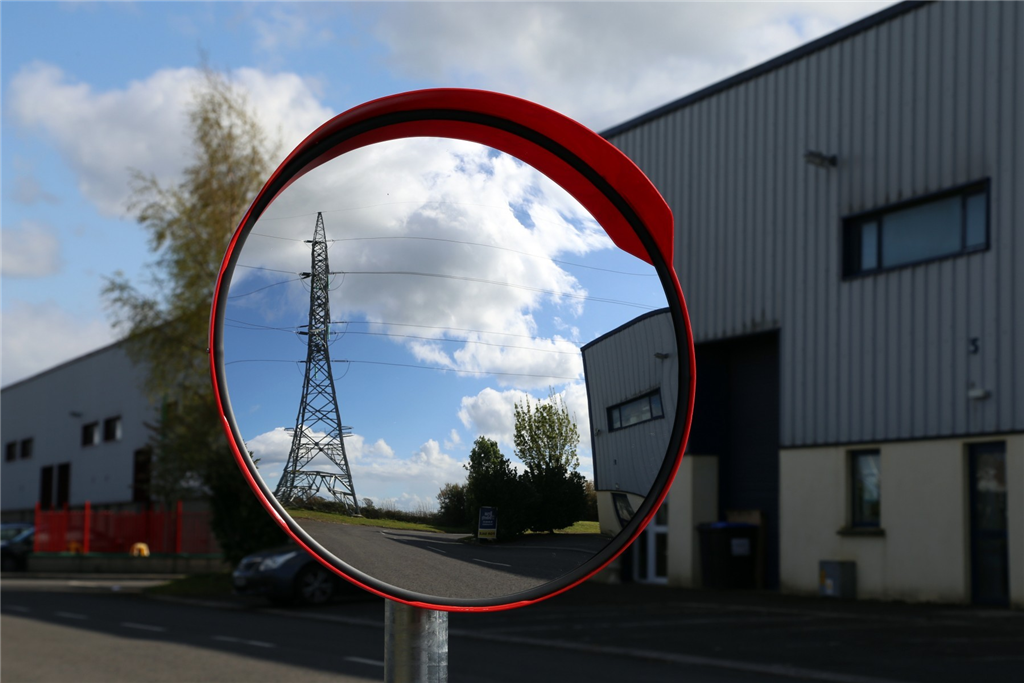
pixel 162 531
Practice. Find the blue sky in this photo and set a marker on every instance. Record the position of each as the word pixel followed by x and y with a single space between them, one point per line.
pixel 91 90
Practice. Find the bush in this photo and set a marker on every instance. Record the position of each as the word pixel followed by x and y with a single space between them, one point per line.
pixel 561 496
pixel 452 511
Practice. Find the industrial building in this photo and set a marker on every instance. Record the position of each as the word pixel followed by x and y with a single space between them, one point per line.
pixel 75 433
pixel 849 238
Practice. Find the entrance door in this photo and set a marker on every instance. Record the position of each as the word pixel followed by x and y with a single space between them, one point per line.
pixel 989 558
pixel 650 551
pixel 736 417
pixel 63 484
pixel 142 475
pixel 46 487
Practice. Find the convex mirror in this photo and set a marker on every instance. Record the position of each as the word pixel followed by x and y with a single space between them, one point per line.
pixel 451 354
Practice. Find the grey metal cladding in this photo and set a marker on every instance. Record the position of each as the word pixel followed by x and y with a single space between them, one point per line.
pixel 931 98
pixel 620 366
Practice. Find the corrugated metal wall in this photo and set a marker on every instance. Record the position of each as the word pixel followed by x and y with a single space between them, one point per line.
pixel 621 366
pixel 52 408
pixel 925 101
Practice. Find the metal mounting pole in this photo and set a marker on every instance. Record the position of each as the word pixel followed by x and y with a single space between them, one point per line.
pixel 415 644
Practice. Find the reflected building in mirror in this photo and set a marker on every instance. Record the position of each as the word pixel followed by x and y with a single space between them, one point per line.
pixel 632 376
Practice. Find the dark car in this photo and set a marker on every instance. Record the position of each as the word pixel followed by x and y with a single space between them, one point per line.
pixel 288 574
pixel 16 541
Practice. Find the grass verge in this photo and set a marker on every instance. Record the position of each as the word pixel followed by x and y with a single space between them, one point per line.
pixel 336 518
pixel 581 528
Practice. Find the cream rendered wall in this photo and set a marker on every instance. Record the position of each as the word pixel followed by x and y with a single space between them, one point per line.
pixel 1015 513
pixel 924 514
pixel 924 554
pixel 812 506
pixel 692 500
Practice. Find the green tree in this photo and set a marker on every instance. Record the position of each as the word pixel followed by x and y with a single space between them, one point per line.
pixel 591 514
pixel 492 481
pixel 166 324
pixel 451 500
pixel 545 439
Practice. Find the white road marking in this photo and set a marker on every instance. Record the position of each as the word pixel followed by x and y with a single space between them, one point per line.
pixel 242 641
pixel 418 535
pixel 71 615
pixel 258 643
pixel 496 564
pixel 553 547
pixel 437 550
pixel 143 627
pixel 363 660
pixel 18 608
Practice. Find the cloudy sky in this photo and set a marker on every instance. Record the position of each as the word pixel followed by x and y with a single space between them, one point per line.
pixel 466 283
pixel 90 91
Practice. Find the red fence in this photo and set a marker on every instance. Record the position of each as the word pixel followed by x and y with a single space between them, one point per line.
pixel 104 531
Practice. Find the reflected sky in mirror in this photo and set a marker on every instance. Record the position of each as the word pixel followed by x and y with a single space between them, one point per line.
pixel 462 282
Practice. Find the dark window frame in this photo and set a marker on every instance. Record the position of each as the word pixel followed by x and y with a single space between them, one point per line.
pixel 10 451
pixel 90 434
pixel 636 399
pixel 851 225
pixel 856 520
pixel 26 448
pixel 112 429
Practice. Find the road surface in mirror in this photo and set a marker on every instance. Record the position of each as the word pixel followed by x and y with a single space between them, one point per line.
pixel 487 348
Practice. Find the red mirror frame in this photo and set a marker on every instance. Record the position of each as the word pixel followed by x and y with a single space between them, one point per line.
pixel 603 179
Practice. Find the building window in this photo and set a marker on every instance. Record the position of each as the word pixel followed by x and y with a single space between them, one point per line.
pixel 949 223
pixel 112 429
pixel 865 496
pixel 643 409
pixel 91 434
pixel 11 451
pixel 26 448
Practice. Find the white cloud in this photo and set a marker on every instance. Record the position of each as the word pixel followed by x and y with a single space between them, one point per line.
pixel 38 336
pixel 31 250
pixel 598 62
pixel 287 28
pixel 377 473
pixel 454 439
pixel 491 413
pixel 143 126
pixel 441 240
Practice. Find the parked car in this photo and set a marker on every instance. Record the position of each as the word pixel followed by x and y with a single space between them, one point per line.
pixel 16 542
pixel 288 574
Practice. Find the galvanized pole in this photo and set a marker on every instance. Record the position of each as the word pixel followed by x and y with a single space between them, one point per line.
pixel 415 644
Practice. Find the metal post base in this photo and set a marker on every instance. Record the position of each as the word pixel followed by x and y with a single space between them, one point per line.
pixel 415 644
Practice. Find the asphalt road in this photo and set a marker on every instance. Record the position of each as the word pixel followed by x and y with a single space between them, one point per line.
pixel 57 631
pixel 445 566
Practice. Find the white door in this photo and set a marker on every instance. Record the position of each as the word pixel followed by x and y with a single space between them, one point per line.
pixel 650 551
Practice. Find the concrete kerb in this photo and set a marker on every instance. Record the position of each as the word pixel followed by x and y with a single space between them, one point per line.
pixel 57 564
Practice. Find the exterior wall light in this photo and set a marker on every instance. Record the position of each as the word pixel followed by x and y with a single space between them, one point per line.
pixel 820 159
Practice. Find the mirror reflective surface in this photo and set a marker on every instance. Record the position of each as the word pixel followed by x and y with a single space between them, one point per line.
pixel 423 328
